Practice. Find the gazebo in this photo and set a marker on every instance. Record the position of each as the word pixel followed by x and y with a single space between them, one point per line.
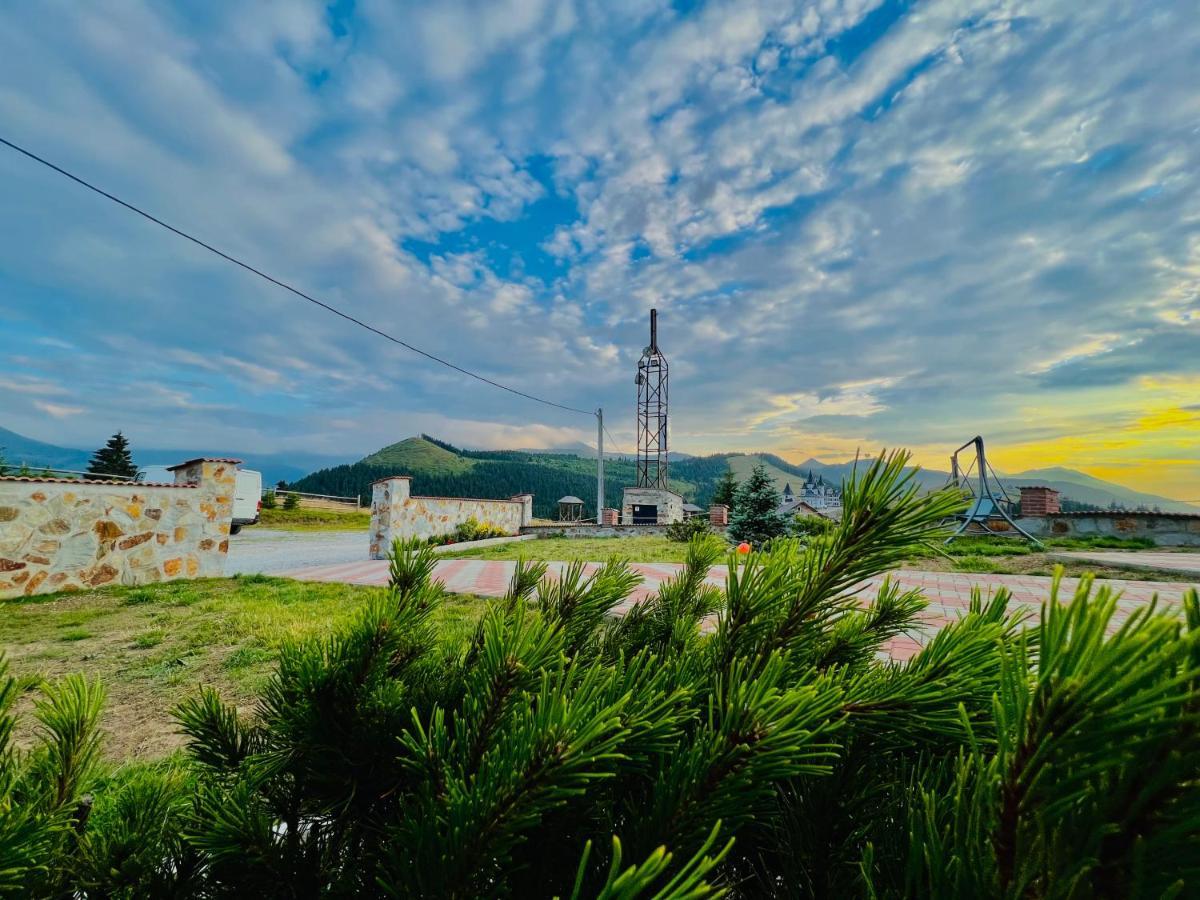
pixel 570 509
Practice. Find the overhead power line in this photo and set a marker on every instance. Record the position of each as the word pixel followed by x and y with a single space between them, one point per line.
pixel 287 287
pixel 613 441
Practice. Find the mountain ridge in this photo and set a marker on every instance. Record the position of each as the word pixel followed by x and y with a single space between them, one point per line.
pixel 692 476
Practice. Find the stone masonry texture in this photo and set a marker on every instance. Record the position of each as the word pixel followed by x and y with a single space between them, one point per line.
pixel 58 535
pixel 670 504
pixel 396 514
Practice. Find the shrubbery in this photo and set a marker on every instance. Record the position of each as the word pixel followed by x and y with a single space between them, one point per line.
pixel 557 749
pixel 291 501
pixel 810 526
pixel 269 500
pixel 686 529
pixel 470 530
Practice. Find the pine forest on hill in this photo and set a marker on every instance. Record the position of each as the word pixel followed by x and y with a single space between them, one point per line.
pixel 440 469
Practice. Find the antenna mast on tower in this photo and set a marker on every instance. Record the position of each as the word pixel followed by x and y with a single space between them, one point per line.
pixel 652 413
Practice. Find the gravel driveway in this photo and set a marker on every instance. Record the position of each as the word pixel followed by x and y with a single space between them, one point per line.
pixel 267 551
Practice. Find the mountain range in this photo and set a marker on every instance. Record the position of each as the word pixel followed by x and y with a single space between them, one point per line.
pixel 439 468
pixel 18 449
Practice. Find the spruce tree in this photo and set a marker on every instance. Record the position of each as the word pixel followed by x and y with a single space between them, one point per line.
pixel 755 516
pixel 113 459
pixel 726 491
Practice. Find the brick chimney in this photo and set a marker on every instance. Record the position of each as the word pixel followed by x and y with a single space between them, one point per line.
pixel 1039 500
pixel 718 515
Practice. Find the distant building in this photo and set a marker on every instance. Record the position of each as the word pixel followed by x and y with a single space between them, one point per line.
pixel 815 497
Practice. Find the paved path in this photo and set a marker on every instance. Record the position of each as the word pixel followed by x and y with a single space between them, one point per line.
pixel 1152 560
pixel 949 593
pixel 270 551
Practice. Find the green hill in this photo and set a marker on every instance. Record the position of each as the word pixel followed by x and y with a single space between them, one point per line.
pixel 418 454
pixel 443 470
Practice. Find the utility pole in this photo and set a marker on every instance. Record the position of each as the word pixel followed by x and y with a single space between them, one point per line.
pixel 599 465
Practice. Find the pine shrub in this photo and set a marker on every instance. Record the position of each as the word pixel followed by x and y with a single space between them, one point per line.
pixel 748 742
pixel 685 530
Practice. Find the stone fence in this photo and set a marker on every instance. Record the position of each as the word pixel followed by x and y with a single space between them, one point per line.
pixel 1165 529
pixel 62 535
pixel 395 513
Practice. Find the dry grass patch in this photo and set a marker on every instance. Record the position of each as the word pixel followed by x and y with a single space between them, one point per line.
pixel 152 646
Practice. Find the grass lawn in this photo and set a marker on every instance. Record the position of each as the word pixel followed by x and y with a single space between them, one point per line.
pixel 152 646
pixel 1010 556
pixel 647 549
pixel 981 555
pixel 315 519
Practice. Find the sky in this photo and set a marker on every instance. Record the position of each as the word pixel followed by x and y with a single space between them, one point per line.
pixel 864 224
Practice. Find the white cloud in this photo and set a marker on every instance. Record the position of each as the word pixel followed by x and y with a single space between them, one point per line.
pixel 911 225
pixel 57 410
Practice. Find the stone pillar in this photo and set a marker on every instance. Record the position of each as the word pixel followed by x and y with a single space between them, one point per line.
pixel 388 498
pixel 718 515
pixel 526 501
pixel 1039 500
pixel 609 516
pixel 216 482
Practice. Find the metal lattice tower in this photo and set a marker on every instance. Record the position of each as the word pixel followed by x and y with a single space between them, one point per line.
pixel 652 413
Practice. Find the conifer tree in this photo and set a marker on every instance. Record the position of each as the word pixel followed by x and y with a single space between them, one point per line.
pixel 557 749
pixel 726 491
pixel 113 458
pixel 755 515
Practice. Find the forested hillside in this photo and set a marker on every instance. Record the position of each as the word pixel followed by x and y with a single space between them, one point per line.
pixel 439 469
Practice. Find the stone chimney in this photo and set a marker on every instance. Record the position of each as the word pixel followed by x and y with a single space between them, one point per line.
pixel 1039 500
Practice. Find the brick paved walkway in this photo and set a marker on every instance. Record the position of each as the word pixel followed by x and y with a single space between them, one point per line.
pixel 949 593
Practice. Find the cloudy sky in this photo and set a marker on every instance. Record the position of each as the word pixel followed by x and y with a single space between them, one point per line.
pixel 864 223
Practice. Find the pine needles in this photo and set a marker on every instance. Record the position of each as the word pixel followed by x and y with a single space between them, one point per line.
pixel 747 742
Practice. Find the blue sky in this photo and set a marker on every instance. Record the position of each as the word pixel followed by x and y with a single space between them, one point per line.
pixel 864 224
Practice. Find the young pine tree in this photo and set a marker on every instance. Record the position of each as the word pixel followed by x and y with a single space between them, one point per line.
pixel 726 491
pixel 755 518
pixel 746 742
pixel 113 459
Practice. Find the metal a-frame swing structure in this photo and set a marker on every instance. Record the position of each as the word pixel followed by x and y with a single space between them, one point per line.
pixel 987 505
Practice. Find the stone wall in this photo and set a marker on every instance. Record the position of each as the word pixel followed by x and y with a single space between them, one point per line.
pixel 1165 529
pixel 670 504
pixel 588 530
pixel 395 513
pixel 61 535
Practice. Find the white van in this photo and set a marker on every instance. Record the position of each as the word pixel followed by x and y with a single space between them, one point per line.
pixel 247 499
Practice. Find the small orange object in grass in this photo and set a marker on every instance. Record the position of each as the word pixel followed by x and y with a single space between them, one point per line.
pixel 743 547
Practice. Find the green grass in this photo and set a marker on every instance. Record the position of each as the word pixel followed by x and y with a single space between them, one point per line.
pixel 415 454
pixel 646 549
pixel 152 646
pixel 315 519
pixel 1000 546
